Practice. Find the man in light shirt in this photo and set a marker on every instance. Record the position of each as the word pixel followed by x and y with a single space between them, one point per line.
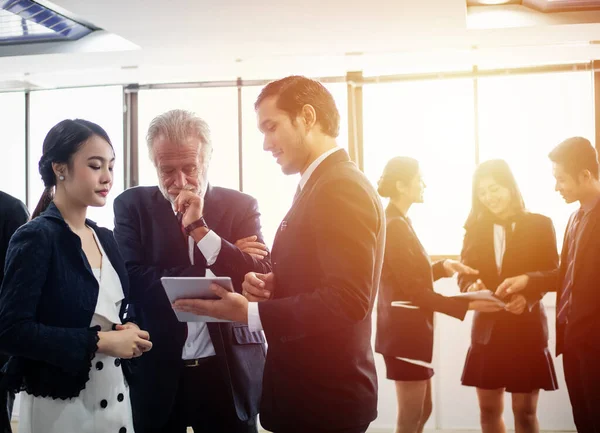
pixel 207 376
pixel 315 308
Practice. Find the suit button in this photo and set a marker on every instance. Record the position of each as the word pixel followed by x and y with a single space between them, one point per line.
pixel 120 397
pixel 122 430
pixel 99 365
pixel 117 362
pixel 103 404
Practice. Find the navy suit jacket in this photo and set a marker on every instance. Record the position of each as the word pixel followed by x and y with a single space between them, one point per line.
pixel 151 242
pixel 47 301
pixel 13 214
pixel 532 248
pixel 327 259
pixel 583 327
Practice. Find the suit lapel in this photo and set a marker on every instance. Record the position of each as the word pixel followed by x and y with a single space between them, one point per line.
pixel 586 235
pixel 169 228
pixel 213 208
pixel 329 162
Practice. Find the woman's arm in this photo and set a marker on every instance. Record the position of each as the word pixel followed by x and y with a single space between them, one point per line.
pixel 468 256
pixel 415 285
pixel 27 266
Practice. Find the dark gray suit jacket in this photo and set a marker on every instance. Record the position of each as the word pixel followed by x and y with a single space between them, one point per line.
pixel 152 245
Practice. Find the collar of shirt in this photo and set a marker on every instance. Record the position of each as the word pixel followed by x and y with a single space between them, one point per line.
pixel 311 168
pixel 587 208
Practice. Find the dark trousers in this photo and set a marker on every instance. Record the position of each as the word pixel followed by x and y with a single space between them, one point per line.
pixel 7 399
pixel 204 403
pixel 581 364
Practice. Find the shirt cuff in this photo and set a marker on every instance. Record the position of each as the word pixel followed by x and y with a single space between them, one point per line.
pixel 254 323
pixel 210 247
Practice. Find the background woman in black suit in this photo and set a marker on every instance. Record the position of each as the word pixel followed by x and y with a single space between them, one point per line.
pixel 405 335
pixel 509 349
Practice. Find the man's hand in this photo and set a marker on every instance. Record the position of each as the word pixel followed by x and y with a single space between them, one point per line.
pixel 190 204
pixel 127 325
pixel 484 306
pixel 516 305
pixel 477 286
pixel 453 266
pixel 231 306
pixel 512 285
pixel 258 287
pixel 250 246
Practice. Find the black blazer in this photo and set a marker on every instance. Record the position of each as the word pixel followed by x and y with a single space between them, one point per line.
pixel 151 242
pixel 327 259
pixel 13 214
pixel 584 315
pixel 532 248
pixel 408 276
pixel 47 301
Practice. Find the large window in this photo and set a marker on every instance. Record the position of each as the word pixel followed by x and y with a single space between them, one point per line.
pixel 101 105
pixel 522 118
pixel 12 144
pixel 431 121
pixel 217 106
pixel 262 176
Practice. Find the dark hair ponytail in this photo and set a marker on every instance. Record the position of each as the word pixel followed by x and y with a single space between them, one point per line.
pixel 61 143
pixel 400 168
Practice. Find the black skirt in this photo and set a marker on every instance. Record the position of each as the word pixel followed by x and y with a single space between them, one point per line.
pixel 400 370
pixel 508 362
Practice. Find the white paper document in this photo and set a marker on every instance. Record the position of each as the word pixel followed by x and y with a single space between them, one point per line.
pixel 482 295
pixel 194 288
pixel 404 304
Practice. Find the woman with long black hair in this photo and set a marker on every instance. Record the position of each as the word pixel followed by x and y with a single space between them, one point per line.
pixel 509 348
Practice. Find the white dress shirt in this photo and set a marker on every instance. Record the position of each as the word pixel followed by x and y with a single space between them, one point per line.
pixel 198 343
pixel 500 245
pixel 254 323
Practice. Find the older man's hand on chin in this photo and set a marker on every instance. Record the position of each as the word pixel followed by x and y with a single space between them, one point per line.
pixel 230 306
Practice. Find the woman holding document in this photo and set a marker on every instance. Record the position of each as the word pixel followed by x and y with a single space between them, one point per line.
pixel 509 349
pixel 405 333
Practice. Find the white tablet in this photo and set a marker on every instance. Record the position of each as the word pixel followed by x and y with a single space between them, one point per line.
pixel 194 288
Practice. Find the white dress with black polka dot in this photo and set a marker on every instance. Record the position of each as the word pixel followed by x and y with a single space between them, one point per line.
pixel 103 406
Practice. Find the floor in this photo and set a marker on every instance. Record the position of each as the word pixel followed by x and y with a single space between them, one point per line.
pixel 15 430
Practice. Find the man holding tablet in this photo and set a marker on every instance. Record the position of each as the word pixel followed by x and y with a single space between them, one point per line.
pixel 327 258
pixel 204 375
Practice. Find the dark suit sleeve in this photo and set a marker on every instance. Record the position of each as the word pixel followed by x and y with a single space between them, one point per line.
pixel 11 221
pixel 545 279
pixel 21 334
pixel 234 263
pixel 400 257
pixel 144 279
pixel 346 225
pixel 438 270
pixel 468 256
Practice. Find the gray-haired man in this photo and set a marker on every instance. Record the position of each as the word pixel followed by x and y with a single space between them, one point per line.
pixel 207 376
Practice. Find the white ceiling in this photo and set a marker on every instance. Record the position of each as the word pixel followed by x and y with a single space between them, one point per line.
pixel 200 40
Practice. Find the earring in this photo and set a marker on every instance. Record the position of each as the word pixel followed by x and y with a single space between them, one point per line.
pixel 61 177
